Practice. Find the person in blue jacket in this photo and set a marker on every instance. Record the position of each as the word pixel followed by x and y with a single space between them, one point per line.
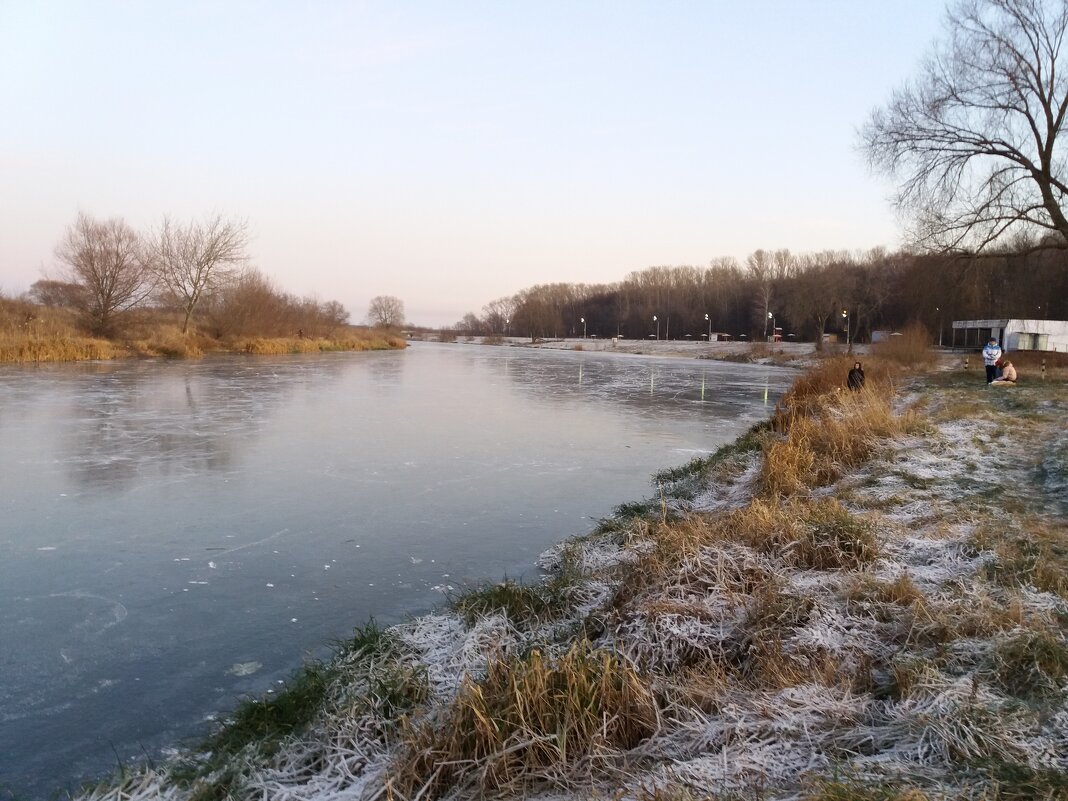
pixel 991 357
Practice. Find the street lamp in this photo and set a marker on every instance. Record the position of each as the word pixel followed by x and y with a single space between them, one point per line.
pixel 938 310
pixel 506 322
pixel 771 316
pixel 709 320
pixel 583 321
pixel 845 314
pixel 657 328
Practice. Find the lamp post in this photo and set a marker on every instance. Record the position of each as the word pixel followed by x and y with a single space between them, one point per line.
pixel 709 321
pixel 506 322
pixel 657 328
pixel 845 314
pixel 583 321
pixel 939 312
pixel 771 316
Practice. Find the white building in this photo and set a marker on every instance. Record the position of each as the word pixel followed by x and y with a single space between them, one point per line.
pixel 1012 334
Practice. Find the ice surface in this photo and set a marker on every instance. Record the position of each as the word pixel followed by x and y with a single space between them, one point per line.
pixel 250 510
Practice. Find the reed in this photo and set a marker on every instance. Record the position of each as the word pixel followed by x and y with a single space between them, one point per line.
pixel 531 719
pixel 824 435
pixel 34 349
pixel 816 533
pixel 294 345
pixel 169 341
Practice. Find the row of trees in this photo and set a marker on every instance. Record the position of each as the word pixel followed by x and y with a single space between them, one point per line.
pixel 196 268
pixel 804 294
pixel 975 142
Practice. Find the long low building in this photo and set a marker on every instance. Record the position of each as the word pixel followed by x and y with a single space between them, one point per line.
pixel 1049 335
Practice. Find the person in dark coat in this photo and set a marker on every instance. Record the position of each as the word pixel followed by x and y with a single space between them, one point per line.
pixel 856 377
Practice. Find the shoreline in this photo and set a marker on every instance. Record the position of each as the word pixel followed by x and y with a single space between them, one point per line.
pixel 56 350
pixel 868 623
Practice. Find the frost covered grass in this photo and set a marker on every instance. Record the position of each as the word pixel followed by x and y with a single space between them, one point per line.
pixel 863 599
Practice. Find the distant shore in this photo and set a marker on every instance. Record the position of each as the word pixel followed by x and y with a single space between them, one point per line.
pixel 43 349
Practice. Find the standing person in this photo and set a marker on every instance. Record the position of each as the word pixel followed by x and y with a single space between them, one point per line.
pixel 855 380
pixel 991 356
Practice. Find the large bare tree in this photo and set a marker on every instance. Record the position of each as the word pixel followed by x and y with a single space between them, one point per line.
pixel 386 311
pixel 105 258
pixel 194 259
pixel 975 138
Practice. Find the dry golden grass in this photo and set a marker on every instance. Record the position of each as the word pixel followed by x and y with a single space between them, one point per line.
pixel 530 719
pixel 815 533
pixel 866 592
pixel 827 432
pixel 169 341
pixel 809 392
pixel 33 349
pixel 280 346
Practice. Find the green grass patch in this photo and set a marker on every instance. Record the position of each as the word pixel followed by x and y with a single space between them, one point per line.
pixel 750 442
pixel 1032 664
pixel 1014 782
pixel 522 603
pixel 856 790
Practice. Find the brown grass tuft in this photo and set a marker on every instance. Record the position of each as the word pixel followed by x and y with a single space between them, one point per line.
pixel 808 533
pixel 826 435
pixel 33 349
pixel 277 347
pixel 530 719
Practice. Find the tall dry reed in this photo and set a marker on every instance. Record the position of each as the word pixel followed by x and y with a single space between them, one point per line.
pixel 531 719
pixel 826 430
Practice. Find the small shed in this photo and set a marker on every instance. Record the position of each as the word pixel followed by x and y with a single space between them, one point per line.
pixel 1050 335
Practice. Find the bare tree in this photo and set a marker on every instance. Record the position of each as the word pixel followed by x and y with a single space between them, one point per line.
pixel 386 311
pixel 192 260
pixel 104 258
pixel 976 138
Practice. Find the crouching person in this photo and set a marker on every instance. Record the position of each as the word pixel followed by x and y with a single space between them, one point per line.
pixel 1008 374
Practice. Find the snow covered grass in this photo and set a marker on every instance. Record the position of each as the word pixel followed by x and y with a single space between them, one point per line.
pixel 887 625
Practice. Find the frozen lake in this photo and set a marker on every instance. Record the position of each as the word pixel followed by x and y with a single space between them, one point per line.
pixel 174 535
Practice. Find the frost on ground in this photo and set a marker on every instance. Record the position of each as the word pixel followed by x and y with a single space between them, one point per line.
pixel 928 661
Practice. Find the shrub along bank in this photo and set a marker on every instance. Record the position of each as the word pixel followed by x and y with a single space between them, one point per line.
pixel 841 605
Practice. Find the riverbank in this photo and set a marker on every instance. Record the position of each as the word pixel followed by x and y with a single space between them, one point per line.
pixel 69 348
pixel 863 598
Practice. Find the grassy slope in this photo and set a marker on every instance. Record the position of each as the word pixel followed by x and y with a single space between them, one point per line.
pixel 864 599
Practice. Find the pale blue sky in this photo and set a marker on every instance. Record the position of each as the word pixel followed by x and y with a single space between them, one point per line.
pixel 451 153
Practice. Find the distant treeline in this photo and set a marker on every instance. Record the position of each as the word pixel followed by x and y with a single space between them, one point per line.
pixel 803 294
pixel 115 281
